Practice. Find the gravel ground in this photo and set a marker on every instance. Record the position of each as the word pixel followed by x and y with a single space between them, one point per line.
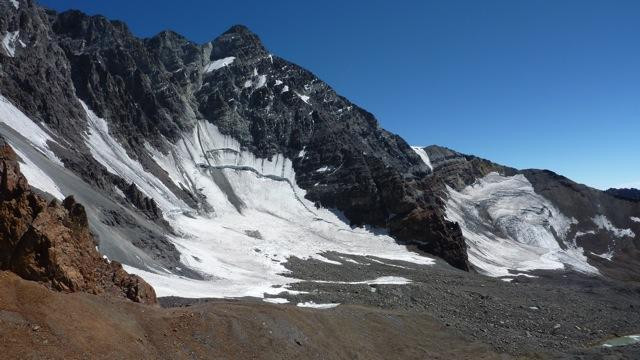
pixel 557 314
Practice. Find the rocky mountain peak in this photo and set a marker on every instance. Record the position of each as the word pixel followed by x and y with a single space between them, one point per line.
pixel 238 41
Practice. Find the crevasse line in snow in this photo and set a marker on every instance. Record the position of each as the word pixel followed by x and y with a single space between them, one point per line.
pixel 249 196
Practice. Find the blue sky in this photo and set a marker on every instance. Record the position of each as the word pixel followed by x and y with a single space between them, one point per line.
pixel 544 84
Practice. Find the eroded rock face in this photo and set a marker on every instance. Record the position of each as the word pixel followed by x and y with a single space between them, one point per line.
pixel 50 242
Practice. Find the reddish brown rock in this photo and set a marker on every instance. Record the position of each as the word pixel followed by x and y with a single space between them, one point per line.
pixel 51 242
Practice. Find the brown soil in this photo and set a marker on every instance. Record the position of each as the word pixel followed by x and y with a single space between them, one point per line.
pixel 37 323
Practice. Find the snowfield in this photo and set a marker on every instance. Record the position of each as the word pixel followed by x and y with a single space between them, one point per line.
pixel 17 120
pixel 255 217
pixel 509 206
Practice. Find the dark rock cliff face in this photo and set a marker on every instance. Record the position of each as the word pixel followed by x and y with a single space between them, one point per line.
pixel 158 88
pixel 50 242
pixel 459 170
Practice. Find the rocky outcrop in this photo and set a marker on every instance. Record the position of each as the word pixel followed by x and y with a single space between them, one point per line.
pixel 458 170
pixel 50 242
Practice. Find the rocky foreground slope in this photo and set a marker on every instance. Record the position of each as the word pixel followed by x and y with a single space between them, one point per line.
pixel 50 242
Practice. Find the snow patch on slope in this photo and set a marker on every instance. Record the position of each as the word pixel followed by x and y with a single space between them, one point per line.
pixel 108 152
pixel 262 80
pixel 218 64
pixel 36 177
pixel 15 3
pixel 635 219
pixel 507 226
pixel 18 121
pixel 423 155
pixel 9 42
pixel 311 304
pixel 304 98
pixel 603 223
pixel 607 255
pixel 383 280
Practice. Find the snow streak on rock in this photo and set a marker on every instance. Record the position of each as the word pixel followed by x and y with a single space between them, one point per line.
pixel 603 223
pixel 108 152
pixel 218 64
pixel 9 42
pixel 508 226
pixel 423 155
pixel 36 177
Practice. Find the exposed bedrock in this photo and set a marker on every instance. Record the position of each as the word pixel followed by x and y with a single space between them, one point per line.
pixel 50 242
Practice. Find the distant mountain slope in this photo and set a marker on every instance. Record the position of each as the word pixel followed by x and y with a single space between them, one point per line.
pixel 626 194
pixel 532 219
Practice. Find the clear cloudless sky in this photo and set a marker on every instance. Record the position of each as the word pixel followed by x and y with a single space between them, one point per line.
pixel 531 84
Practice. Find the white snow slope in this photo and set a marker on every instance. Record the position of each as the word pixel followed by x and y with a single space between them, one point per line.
pixel 218 64
pixel 12 117
pixel 508 227
pixel 248 195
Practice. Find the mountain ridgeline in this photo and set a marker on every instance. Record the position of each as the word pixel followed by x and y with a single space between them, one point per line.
pixel 75 75
pixel 154 89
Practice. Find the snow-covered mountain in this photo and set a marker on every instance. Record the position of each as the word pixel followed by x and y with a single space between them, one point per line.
pixel 525 220
pixel 204 168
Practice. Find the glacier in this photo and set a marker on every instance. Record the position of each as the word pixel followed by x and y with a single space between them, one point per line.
pixel 509 227
pixel 255 219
